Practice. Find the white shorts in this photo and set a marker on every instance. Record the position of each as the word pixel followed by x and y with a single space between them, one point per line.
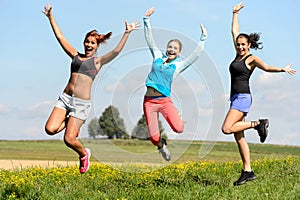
pixel 75 107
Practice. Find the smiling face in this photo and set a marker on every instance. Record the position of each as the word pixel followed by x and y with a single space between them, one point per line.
pixel 173 49
pixel 242 45
pixel 90 46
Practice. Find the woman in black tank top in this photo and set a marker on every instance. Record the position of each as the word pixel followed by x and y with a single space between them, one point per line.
pixel 241 69
pixel 73 105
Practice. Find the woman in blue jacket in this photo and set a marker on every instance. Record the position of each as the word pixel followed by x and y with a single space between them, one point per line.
pixel 165 67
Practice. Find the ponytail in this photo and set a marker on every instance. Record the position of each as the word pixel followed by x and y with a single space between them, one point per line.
pixel 104 37
pixel 253 39
pixel 100 38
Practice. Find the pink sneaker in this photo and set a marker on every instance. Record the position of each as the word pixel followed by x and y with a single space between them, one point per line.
pixel 85 161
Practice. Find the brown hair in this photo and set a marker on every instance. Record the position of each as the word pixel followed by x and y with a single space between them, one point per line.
pixel 100 38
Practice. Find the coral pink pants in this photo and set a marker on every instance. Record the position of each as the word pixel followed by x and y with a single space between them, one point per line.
pixel 165 106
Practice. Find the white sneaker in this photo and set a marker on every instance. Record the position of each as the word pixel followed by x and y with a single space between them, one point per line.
pixel 164 151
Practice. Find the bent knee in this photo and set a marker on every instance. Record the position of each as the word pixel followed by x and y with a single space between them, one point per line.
pixel 226 130
pixel 69 141
pixel 50 130
pixel 178 129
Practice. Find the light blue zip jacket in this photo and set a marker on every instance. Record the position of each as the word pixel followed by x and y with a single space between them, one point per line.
pixel 162 75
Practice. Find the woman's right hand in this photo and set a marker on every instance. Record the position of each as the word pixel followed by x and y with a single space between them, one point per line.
pixel 238 7
pixel 47 10
pixel 149 12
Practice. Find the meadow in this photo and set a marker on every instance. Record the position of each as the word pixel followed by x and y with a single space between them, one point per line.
pixel 200 170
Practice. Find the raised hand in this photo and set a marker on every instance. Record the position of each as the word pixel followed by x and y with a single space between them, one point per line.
pixel 289 70
pixel 204 33
pixel 47 10
pixel 133 26
pixel 203 29
pixel 238 7
pixel 149 12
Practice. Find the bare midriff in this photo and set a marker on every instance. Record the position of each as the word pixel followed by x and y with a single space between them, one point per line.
pixel 152 92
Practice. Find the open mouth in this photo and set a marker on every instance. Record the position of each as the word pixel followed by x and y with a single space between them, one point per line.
pixel 88 50
pixel 241 51
pixel 170 53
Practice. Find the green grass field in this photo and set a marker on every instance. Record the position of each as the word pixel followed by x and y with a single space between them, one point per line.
pixel 124 151
pixel 134 170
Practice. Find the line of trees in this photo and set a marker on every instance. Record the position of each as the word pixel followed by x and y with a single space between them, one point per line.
pixel 112 125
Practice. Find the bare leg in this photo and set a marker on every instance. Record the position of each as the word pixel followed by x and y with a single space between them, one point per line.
pixel 243 149
pixel 234 122
pixel 56 121
pixel 71 134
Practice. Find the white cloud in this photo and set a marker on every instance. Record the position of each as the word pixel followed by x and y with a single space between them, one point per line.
pixel 6 109
pixel 276 96
pixel 40 110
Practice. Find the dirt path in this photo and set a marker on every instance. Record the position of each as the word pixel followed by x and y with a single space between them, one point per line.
pixel 19 164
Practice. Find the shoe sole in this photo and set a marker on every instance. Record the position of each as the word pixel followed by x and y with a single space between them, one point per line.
pixel 164 155
pixel 266 132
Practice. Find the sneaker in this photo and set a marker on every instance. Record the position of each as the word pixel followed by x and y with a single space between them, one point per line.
pixel 262 129
pixel 245 176
pixel 164 151
pixel 85 161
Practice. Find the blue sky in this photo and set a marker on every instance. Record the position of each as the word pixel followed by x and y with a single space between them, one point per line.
pixel 34 68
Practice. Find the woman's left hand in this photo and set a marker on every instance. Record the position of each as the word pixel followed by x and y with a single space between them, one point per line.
pixel 133 26
pixel 203 29
pixel 289 70
pixel 204 33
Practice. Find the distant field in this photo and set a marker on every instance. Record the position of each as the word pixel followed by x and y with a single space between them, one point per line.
pixel 135 151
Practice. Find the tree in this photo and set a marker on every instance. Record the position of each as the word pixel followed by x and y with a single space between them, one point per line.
pixel 94 128
pixel 141 130
pixel 112 124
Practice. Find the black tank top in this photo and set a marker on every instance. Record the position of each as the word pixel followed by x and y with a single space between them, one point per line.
pixel 86 67
pixel 240 75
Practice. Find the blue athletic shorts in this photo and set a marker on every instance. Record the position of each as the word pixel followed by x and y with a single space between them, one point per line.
pixel 241 102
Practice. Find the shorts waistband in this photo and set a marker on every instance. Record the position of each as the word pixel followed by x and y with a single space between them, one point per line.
pixel 76 98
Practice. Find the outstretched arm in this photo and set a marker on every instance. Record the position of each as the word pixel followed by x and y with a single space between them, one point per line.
pixel 112 54
pixel 58 33
pixel 149 36
pixel 181 66
pixel 235 27
pixel 260 64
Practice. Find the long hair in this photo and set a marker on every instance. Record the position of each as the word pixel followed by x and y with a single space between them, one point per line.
pixel 253 39
pixel 100 38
